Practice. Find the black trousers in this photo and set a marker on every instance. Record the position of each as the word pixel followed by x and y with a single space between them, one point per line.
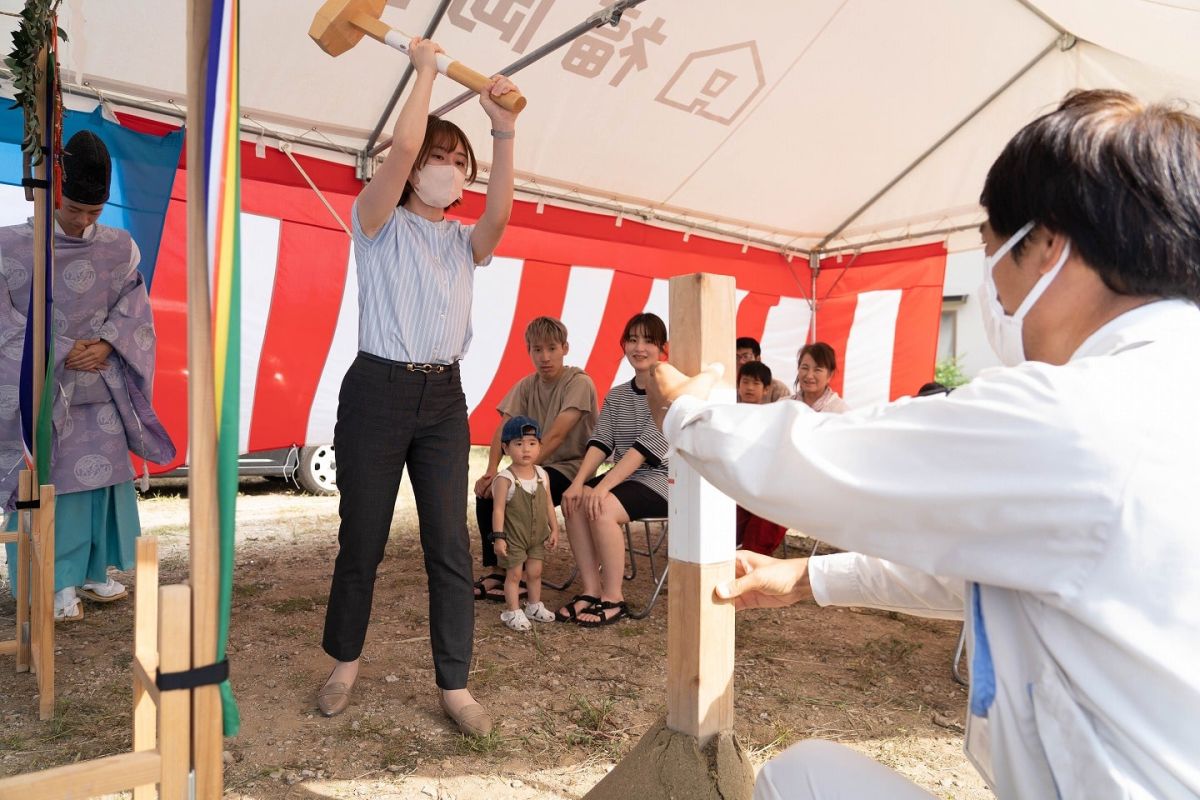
pixel 389 418
pixel 559 483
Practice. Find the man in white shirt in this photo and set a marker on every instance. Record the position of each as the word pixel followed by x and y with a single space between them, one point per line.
pixel 1049 503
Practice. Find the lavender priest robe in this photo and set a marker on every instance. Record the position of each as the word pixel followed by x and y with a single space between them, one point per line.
pixel 99 417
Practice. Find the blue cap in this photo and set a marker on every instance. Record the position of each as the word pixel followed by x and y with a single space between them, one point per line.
pixel 517 427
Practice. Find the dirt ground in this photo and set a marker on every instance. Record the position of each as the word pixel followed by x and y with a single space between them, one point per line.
pixel 569 702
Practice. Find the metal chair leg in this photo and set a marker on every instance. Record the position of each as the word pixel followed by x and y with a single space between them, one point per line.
pixel 958 654
pixel 630 573
pixel 645 612
pixel 558 587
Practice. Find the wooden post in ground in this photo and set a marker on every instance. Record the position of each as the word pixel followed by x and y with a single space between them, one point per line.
pixel 693 753
pixel 42 617
pixel 34 642
pixel 175 605
pixel 145 655
pixel 202 431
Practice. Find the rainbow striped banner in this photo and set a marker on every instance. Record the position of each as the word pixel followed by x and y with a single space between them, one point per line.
pixel 223 201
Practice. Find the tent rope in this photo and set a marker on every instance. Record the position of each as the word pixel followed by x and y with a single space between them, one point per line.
pixel 286 149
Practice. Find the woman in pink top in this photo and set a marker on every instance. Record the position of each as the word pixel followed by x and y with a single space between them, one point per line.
pixel 814 368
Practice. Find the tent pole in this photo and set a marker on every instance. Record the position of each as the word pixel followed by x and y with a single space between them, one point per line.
pixel 1057 43
pixel 609 14
pixel 814 269
pixel 434 21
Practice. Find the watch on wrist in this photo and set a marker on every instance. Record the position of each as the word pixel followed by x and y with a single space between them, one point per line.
pixel 496 535
pixel 503 134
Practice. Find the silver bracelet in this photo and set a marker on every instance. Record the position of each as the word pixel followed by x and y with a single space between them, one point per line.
pixel 503 134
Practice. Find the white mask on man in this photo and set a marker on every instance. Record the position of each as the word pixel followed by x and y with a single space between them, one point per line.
pixel 1004 331
pixel 439 185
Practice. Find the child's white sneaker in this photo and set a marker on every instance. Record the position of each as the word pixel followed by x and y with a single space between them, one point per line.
pixel 516 620
pixel 538 612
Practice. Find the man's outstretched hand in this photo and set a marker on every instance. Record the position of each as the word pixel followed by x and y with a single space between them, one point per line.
pixel 765 582
pixel 667 384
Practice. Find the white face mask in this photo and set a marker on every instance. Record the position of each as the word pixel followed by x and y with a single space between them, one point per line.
pixel 439 185
pixel 1004 331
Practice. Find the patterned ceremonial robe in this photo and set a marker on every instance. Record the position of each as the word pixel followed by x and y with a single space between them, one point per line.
pixel 99 417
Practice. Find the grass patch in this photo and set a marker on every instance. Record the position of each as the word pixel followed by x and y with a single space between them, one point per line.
pixel 293 605
pixel 890 649
pixel 13 741
pixel 252 589
pixel 784 736
pixel 593 717
pixel 481 745
pixel 366 728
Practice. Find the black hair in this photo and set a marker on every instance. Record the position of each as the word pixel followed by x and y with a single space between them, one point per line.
pixel 749 343
pixel 649 325
pixel 756 370
pixel 1120 179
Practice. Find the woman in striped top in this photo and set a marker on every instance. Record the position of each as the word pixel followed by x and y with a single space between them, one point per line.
pixel 636 486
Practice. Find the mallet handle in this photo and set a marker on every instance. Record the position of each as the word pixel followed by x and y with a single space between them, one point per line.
pixel 454 70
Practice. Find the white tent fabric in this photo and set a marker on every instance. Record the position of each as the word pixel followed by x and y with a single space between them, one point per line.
pixel 774 120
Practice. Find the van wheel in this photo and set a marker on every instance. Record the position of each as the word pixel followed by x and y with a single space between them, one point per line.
pixel 317 471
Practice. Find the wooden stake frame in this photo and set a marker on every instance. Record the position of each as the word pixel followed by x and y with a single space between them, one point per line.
pixel 161 720
pixel 34 583
pixel 700 631
pixel 176 734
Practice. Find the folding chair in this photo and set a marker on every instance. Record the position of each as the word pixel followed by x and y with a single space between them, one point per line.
pixel 654 541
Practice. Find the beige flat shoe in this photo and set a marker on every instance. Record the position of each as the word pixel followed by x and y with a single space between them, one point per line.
pixel 333 698
pixel 473 719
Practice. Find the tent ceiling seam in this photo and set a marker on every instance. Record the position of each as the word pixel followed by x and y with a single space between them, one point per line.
pixel 1037 12
pixel 1049 48
pixel 816 37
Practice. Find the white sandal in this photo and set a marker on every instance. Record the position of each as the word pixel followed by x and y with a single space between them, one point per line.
pixel 67 607
pixel 516 620
pixel 106 592
pixel 538 612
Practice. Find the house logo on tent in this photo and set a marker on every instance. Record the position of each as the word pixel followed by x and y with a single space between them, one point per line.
pixel 716 84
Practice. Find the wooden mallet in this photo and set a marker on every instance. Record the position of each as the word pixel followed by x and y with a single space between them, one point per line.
pixel 340 24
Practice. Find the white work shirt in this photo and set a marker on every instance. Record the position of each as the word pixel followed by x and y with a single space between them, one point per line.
pixel 1067 493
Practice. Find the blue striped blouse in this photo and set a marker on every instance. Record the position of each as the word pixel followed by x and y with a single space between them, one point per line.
pixel 415 284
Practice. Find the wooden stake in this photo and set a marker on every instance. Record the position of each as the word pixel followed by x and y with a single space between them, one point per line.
pixel 700 632
pixel 693 752
pixel 43 617
pixel 174 708
pixel 202 432
pixel 145 655
pixel 24 577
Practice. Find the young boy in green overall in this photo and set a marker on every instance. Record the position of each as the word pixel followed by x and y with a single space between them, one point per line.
pixel 523 523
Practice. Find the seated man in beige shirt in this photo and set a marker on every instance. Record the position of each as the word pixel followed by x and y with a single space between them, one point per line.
pixel 562 400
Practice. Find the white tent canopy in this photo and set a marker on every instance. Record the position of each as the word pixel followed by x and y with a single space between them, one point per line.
pixel 824 124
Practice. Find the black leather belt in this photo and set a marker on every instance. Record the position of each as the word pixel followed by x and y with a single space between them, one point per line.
pixel 411 366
